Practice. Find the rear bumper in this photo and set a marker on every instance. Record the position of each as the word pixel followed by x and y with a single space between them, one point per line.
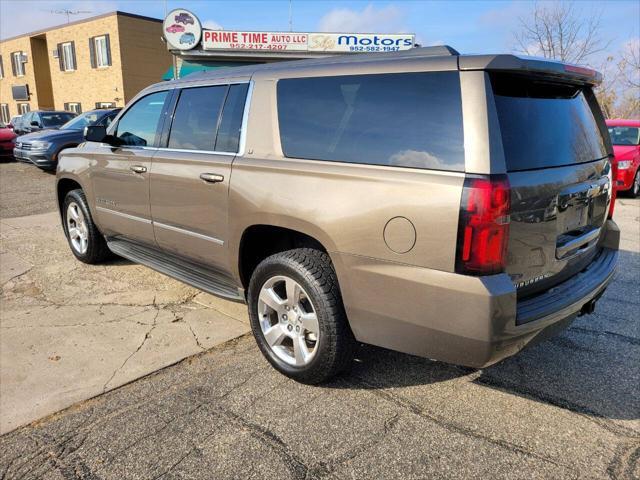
pixel 472 321
pixel 564 299
pixel 6 149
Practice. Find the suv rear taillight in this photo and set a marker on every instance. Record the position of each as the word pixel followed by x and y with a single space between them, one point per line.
pixel 483 226
pixel 614 186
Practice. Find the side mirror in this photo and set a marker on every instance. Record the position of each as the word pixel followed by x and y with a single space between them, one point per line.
pixel 35 124
pixel 95 133
pixel 98 133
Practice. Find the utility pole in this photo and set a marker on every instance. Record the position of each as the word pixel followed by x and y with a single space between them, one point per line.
pixel 290 17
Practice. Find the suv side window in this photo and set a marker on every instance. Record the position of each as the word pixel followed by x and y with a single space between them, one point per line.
pixel 195 120
pixel 228 138
pixel 406 119
pixel 139 125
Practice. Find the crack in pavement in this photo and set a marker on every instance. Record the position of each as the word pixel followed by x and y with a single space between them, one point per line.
pixel 326 468
pixel 195 337
pixel 625 460
pixel 96 324
pixel 296 466
pixel 418 410
pixel 585 412
pixel 605 333
pixel 144 340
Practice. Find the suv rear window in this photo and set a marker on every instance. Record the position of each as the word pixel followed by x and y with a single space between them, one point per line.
pixel 54 119
pixel 545 124
pixel 407 119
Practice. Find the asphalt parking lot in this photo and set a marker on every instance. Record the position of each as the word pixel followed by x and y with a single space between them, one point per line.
pixel 25 190
pixel 566 408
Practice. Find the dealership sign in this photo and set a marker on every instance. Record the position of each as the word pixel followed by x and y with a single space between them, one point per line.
pixel 237 40
pixel 359 42
pixel 180 31
pixel 305 42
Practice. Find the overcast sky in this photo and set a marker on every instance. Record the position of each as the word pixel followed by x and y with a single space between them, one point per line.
pixel 468 26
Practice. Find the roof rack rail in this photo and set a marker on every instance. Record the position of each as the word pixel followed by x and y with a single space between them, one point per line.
pixel 435 50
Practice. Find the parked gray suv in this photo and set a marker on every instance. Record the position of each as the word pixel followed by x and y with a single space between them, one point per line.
pixel 443 205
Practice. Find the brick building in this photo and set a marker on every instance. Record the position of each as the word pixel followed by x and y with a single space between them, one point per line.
pixel 100 61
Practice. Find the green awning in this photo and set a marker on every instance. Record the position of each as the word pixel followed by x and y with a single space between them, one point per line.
pixel 192 67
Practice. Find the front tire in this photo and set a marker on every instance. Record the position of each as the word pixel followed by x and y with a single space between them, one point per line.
pixel 85 240
pixel 297 316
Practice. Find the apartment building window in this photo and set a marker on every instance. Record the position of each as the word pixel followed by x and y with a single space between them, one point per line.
pixel 67 56
pixel 1 68
pixel 4 113
pixel 105 104
pixel 100 51
pixel 73 107
pixel 17 65
pixel 23 108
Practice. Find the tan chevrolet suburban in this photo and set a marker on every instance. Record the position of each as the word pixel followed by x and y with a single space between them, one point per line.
pixel 442 205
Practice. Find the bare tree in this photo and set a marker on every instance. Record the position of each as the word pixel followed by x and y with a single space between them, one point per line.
pixel 628 106
pixel 558 31
pixel 606 92
pixel 629 65
pixel 627 77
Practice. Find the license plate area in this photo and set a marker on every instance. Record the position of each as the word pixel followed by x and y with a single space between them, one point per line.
pixel 581 213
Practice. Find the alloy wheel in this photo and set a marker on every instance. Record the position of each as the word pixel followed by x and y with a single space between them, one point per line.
pixel 288 321
pixel 77 228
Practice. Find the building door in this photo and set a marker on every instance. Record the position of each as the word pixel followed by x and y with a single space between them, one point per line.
pixel 41 72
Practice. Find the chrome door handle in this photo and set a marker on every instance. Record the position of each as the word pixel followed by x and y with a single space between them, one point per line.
pixel 138 168
pixel 211 177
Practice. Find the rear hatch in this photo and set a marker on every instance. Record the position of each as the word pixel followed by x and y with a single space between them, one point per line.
pixel 558 167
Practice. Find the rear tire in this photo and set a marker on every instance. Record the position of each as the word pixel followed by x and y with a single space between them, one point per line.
pixel 294 300
pixel 85 240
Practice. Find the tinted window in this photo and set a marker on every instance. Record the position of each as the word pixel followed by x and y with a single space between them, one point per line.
pixel 81 121
pixel 196 118
pixel 139 124
pixel 545 124
pixel 55 119
pixel 624 135
pixel 408 120
pixel 106 121
pixel 228 139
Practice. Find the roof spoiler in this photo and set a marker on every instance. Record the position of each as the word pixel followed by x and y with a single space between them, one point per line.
pixel 516 63
pixel 433 51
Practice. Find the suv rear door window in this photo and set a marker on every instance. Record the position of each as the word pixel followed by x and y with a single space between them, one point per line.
pixel 228 138
pixel 407 119
pixel 545 124
pixel 139 124
pixel 196 118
